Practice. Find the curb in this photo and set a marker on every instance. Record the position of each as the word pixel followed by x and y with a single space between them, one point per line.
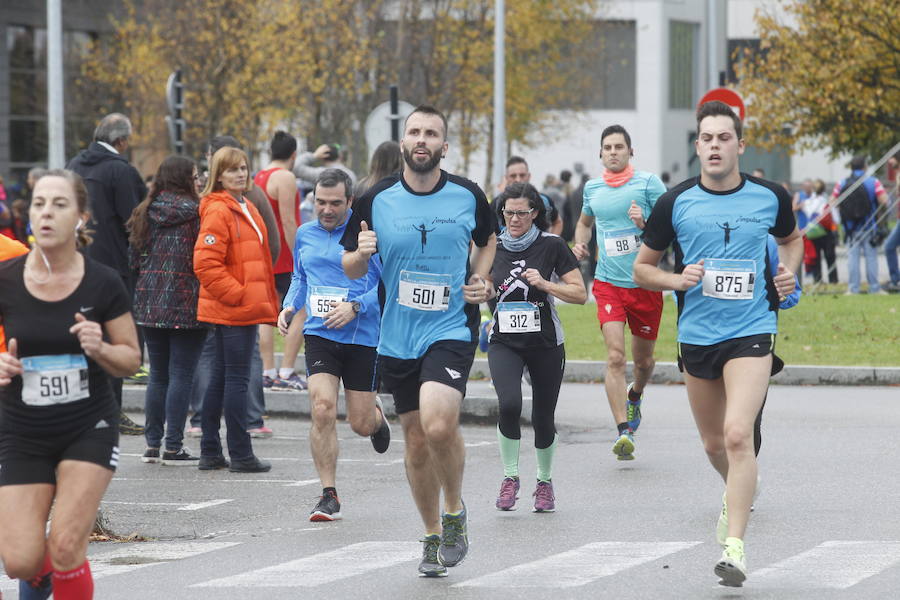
pixel 475 409
pixel 590 371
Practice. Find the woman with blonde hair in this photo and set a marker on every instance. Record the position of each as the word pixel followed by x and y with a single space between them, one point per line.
pixel 69 329
pixel 237 293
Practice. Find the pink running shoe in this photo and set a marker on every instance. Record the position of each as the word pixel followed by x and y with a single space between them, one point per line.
pixel 261 432
pixel 509 491
pixel 544 500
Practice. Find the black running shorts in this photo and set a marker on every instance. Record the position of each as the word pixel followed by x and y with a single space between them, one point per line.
pixel 707 362
pixel 282 285
pixel 445 361
pixel 353 364
pixel 32 458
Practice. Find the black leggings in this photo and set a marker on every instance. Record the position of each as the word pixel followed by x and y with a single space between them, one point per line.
pixel 757 427
pixel 546 367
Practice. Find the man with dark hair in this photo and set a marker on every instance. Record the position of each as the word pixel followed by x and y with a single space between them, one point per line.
pixel 432 286
pixel 517 172
pixel 860 232
pixel 114 188
pixel 617 204
pixel 280 187
pixel 341 331
pixel 727 298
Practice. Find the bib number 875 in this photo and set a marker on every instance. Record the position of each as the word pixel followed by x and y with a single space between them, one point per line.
pixel 423 296
pixel 728 283
pixel 55 385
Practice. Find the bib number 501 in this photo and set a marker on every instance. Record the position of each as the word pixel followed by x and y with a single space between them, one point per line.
pixel 423 296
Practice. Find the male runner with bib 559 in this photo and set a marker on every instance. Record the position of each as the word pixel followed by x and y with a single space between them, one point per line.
pixel 719 224
pixel 341 331
pixel 426 220
pixel 617 203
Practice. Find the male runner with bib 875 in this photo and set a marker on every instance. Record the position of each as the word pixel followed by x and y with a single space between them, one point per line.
pixel 727 297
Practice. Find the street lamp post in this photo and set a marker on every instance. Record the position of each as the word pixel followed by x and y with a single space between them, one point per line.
pixel 56 124
pixel 499 159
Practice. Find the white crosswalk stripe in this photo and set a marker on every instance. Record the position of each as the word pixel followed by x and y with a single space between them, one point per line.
pixel 326 567
pixel 580 566
pixel 139 555
pixel 835 565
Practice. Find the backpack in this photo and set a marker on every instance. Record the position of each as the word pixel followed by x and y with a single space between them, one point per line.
pixel 857 205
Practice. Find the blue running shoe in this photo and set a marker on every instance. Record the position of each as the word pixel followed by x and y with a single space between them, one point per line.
pixel 484 333
pixel 633 409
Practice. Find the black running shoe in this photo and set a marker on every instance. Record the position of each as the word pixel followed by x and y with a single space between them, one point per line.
pixel 150 455
pixel 454 539
pixel 250 465
pixel 430 567
pixel 180 458
pixel 212 463
pixel 381 439
pixel 328 508
pixel 129 427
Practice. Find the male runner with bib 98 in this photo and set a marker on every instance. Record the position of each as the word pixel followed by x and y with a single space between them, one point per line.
pixel 617 203
pixel 727 297
pixel 69 329
pixel 426 220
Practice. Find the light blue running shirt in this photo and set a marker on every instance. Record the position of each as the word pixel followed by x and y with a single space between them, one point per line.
pixel 729 231
pixel 618 239
pixel 423 242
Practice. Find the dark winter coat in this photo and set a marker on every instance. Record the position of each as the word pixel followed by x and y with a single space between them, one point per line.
pixel 114 188
pixel 167 289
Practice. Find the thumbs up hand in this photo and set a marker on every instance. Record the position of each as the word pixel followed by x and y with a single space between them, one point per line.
pixel 89 335
pixel 785 282
pixel 636 215
pixel 10 365
pixel 366 242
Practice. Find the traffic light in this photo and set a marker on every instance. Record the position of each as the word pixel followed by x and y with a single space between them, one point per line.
pixel 175 103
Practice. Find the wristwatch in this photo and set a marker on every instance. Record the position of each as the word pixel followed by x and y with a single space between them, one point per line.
pixel 355 306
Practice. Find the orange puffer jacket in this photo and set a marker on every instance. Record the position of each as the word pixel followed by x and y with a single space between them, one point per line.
pixel 234 268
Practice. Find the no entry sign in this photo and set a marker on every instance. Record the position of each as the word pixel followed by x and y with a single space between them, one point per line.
pixel 729 97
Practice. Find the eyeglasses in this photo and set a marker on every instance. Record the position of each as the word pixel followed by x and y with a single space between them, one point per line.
pixel 509 214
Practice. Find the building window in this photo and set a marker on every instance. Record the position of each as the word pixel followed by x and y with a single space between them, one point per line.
pixel 683 63
pixel 603 69
pixel 27 50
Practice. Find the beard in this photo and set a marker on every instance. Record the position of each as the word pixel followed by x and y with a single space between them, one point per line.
pixel 421 167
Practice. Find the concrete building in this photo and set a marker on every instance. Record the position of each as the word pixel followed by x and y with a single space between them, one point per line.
pixel 23 79
pixel 667 54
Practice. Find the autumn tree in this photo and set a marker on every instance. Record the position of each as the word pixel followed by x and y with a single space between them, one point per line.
pixel 319 67
pixel 826 77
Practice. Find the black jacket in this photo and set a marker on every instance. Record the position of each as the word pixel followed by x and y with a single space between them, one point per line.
pixel 114 188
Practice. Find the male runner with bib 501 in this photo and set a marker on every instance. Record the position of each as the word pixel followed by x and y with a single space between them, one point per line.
pixel 426 220
pixel 618 202
pixel 727 297
pixel 341 331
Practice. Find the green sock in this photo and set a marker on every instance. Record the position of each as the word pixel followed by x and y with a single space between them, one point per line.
pixel 509 454
pixel 545 460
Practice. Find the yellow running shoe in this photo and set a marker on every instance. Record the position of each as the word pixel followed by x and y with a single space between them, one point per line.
pixel 732 567
pixel 722 525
